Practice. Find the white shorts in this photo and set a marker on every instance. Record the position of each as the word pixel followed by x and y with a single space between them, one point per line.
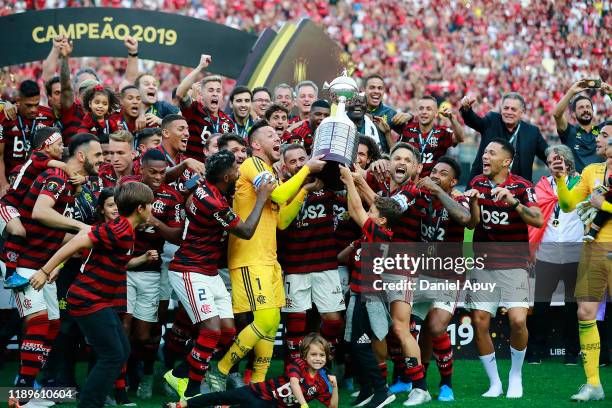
pixel 322 288
pixel 511 289
pixel 225 275
pixel 143 290
pixel 445 297
pixel 399 289
pixel 202 296
pixel 345 276
pixel 7 213
pixel 30 301
pixel 165 291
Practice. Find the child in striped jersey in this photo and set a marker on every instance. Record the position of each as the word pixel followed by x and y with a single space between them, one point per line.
pixel 92 298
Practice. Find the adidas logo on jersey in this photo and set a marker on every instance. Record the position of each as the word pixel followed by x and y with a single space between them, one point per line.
pixel 364 339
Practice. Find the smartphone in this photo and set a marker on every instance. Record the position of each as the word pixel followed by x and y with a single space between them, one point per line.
pixel 592 83
pixel 192 182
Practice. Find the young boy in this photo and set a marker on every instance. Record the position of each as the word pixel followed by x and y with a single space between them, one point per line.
pixel 365 314
pixel 93 295
pixel 47 149
pixel 304 380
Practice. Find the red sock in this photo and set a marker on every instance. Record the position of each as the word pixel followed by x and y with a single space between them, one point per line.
pixel 443 353
pixel 415 372
pixel 227 338
pixel 296 330
pixel 54 328
pixel 177 338
pixel 331 330
pixel 120 381
pixel 384 371
pixel 202 351
pixel 33 348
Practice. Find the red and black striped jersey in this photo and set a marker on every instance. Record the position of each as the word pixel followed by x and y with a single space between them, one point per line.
pixel 500 223
pixel 42 241
pixel 168 208
pixel 407 228
pixel 22 177
pixel 179 183
pixel 431 146
pixel 315 387
pixel 124 122
pixel 71 119
pixel 308 244
pixel 16 136
pixel 102 281
pixel 372 233
pixel 106 176
pixel 293 119
pixel 201 125
pixel 347 230
pixel 208 215
pixel 303 135
pixel 101 129
pixel 438 226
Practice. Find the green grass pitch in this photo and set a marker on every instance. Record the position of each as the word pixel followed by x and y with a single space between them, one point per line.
pixel 545 386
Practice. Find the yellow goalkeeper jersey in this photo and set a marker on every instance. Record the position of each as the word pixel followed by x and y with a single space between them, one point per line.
pixel 593 176
pixel 261 248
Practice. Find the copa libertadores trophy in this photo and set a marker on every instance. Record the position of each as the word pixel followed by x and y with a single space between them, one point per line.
pixel 336 137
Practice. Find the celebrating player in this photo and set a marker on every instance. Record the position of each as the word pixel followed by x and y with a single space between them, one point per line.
pixel 204 116
pixel 504 204
pixel 595 268
pixel 444 221
pixel 307 253
pixel 257 283
pixel 431 140
pixel 193 272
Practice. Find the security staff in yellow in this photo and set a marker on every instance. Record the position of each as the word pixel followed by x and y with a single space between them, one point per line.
pixel 257 282
pixel 594 269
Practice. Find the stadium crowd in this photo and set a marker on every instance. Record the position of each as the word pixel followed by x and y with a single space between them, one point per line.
pixel 421 47
pixel 238 220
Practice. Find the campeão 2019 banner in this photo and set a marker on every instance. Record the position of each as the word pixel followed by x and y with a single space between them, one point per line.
pixel 298 51
pixel 99 32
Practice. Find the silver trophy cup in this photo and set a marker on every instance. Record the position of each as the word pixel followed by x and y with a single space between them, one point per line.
pixel 336 137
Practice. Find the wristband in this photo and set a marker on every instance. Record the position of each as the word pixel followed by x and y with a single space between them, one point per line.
pixel 304 405
pixel 515 205
pixel 133 54
pixel 45 272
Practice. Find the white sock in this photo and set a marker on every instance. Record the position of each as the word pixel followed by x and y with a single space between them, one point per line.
pixel 517 356
pixel 490 364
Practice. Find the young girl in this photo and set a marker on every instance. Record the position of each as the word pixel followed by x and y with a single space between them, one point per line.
pixel 107 209
pixel 304 380
pixel 100 103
